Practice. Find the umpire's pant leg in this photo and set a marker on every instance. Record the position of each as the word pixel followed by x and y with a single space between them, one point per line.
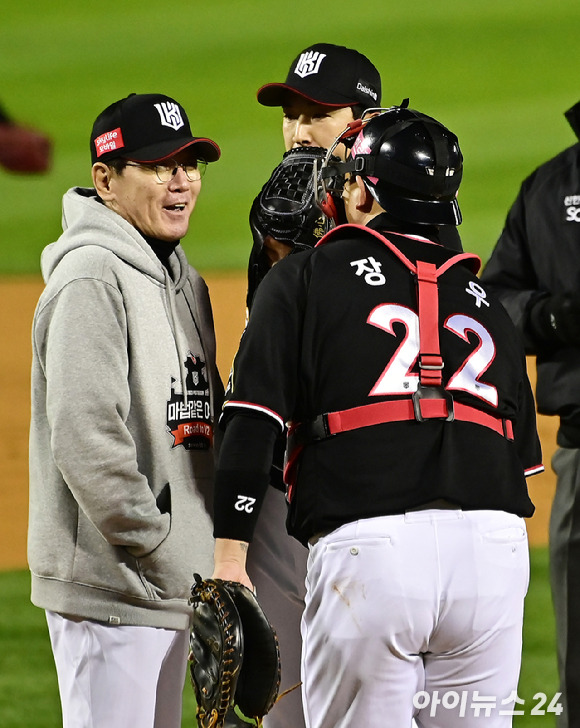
pixel 277 567
pixel 565 579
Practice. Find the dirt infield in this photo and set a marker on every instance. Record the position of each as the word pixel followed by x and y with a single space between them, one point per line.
pixel 18 298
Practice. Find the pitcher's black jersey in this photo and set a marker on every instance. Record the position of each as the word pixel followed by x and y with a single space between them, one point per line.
pixel 337 327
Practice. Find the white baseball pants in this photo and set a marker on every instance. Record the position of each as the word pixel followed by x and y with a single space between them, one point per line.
pixel 116 677
pixel 415 616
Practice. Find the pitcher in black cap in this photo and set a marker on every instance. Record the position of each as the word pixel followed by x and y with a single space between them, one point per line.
pixel 124 390
pixel 326 87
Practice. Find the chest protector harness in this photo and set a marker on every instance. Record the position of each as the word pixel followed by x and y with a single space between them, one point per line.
pixel 431 401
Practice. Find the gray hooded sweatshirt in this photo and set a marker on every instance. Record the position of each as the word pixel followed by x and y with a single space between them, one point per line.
pixel 124 396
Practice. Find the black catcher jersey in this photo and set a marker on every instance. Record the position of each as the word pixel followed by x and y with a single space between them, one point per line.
pixel 337 328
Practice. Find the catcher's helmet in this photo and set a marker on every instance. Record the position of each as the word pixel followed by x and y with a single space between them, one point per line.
pixel 411 164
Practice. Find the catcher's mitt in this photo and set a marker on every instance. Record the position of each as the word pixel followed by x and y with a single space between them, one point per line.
pixel 234 657
pixel 286 211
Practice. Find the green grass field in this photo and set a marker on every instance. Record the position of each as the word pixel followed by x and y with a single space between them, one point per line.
pixel 500 74
pixel 29 693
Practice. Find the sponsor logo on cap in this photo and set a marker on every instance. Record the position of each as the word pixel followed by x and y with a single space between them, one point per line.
pixel 367 90
pixel 309 63
pixel 170 115
pixel 109 142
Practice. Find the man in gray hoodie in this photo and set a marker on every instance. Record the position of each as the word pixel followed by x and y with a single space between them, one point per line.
pixel 124 393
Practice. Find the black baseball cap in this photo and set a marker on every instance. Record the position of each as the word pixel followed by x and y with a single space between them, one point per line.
pixel 330 75
pixel 146 128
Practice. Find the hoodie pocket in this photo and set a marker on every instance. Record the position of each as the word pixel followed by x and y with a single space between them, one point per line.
pixel 99 564
pixel 167 571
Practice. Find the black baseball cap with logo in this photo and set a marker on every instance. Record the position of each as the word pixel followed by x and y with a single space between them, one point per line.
pixel 330 75
pixel 146 128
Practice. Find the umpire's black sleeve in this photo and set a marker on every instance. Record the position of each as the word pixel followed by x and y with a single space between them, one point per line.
pixel 509 272
pixel 242 475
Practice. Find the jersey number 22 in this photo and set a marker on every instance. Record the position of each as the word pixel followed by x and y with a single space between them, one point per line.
pixel 397 377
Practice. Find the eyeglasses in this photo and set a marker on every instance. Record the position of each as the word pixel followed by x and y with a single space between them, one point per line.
pixel 165 171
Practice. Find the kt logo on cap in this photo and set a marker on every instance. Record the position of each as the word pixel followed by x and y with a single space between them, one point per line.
pixel 309 63
pixel 170 115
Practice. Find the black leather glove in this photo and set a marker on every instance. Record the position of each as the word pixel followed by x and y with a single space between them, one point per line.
pixel 286 211
pixel 234 654
pixel 556 319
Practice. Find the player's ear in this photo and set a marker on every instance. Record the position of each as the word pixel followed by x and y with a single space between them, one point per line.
pixel 366 200
pixel 101 175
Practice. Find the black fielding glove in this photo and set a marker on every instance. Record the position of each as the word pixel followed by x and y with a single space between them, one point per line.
pixel 556 319
pixel 285 210
pixel 234 656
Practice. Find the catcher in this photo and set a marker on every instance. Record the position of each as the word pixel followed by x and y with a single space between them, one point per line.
pixel 371 346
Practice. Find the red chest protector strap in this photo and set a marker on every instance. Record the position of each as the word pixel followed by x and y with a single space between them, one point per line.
pixel 431 400
pixel 430 360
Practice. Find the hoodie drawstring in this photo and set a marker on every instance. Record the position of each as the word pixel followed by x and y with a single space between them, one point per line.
pixel 172 316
